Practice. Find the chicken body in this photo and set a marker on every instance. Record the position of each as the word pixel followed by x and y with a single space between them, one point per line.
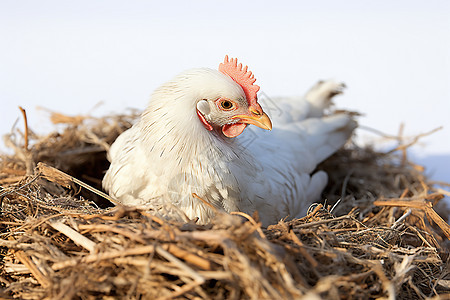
pixel 169 154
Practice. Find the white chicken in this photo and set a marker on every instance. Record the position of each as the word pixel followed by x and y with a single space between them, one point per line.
pixel 188 141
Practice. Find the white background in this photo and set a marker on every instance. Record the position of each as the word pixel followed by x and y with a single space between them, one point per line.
pixel 393 55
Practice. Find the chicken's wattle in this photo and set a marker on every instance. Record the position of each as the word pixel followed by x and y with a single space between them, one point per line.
pixel 233 130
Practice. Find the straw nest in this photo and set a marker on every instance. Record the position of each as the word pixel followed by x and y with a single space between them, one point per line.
pixel 61 238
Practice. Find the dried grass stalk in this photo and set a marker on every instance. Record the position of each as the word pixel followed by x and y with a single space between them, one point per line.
pixel 62 239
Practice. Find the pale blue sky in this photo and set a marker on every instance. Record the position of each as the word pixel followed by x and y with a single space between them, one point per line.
pixel 70 55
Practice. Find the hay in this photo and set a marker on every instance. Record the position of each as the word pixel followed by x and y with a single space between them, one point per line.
pixel 60 238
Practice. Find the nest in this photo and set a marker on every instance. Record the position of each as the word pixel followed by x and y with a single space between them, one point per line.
pixel 377 235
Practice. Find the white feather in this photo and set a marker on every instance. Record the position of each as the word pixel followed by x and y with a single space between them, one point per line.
pixel 168 154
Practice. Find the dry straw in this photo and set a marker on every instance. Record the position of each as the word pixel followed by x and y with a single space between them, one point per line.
pixel 61 238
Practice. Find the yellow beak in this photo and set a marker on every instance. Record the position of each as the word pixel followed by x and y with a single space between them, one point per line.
pixel 260 120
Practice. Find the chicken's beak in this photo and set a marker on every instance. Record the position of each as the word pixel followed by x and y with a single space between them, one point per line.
pixel 256 118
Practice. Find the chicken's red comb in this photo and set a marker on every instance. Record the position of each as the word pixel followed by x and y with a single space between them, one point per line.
pixel 243 77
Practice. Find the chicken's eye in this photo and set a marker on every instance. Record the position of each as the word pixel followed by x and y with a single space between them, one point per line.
pixel 226 105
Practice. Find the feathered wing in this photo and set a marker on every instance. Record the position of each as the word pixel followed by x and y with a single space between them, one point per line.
pixel 283 182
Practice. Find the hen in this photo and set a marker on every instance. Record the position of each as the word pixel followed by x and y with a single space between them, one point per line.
pixel 188 143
